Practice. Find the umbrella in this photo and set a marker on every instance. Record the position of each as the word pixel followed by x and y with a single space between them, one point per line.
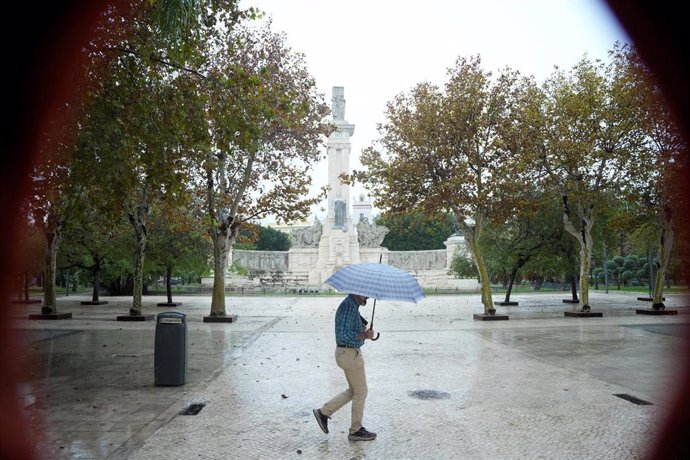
pixel 378 281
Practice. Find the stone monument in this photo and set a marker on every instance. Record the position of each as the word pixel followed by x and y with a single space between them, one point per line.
pixel 338 246
pixel 326 246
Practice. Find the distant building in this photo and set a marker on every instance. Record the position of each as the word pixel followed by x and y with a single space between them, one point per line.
pixel 287 228
pixel 361 209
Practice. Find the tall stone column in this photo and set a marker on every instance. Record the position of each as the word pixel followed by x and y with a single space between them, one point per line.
pixel 338 246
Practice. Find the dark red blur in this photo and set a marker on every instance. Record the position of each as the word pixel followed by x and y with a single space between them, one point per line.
pixel 40 55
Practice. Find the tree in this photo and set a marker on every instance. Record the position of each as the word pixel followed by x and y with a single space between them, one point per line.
pixel 658 169
pixel 263 122
pixel 416 231
pixel 138 127
pixel 531 231
pixel 254 237
pixel 272 240
pixel 90 240
pixel 452 150
pixel 177 241
pixel 462 267
pixel 590 130
pixel 32 244
pixel 48 204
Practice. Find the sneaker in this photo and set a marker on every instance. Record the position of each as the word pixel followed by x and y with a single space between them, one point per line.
pixel 362 435
pixel 322 419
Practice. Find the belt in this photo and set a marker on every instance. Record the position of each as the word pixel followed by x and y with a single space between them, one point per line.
pixel 348 346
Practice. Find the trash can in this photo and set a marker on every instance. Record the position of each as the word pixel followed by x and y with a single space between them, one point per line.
pixel 170 354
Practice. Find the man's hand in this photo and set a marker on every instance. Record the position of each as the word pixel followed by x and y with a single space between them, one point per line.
pixel 368 334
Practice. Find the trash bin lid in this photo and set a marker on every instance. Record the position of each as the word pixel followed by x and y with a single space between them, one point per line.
pixel 171 317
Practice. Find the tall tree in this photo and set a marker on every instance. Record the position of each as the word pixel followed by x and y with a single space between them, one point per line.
pixel 137 129
pixel 49 202
pixel 445 150
pixel 264 122
pixel 658 166
pixel 591 129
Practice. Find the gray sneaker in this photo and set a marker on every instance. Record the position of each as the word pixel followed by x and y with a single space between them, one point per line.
pixel 362 435
pixel 322 419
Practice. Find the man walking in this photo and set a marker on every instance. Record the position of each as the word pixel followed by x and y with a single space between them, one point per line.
pixel 350 333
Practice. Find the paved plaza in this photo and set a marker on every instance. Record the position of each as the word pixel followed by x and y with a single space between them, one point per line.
pixel 442 385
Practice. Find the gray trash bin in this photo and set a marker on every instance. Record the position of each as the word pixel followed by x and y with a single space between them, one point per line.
pixel 170 355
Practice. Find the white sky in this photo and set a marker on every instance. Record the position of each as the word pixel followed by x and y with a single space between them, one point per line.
pixel 376 49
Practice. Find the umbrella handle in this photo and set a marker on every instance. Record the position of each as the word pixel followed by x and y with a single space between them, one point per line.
pixel 377 336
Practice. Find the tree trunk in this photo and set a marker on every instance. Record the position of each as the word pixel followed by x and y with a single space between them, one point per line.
pixel 513 274
pixel 472 234
pixel 573 287
pixel 220 265
pixel 96 271
pixel 584 237
pixel 49 291
pixel 168 287
pixel 138 221
pixel 585 262
pixel 26 278
pixel 665 246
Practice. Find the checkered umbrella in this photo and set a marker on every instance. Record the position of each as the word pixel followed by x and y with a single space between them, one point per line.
pixel 377 281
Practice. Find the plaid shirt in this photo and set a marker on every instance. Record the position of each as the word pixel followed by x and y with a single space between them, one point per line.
pixel 348 323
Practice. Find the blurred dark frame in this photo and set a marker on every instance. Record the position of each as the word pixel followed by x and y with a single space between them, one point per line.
pixel 40 47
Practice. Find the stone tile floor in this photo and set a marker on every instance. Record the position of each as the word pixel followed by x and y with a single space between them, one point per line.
pixel 537 386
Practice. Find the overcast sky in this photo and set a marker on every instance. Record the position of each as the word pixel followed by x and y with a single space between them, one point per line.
pixel 376 49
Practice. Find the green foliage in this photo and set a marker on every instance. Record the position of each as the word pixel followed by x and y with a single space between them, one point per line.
pixel 179 243
pixel 238 269
pixel 255 237
pixel 272 240
pixel 247 237
pixel 416 231
pixel 33 249
pixel 622 271
pixel 462 267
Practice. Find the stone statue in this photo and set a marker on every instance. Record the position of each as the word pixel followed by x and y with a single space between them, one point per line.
pixel 338 109
pixel 340 214
pixel 308 237
pixel 370 235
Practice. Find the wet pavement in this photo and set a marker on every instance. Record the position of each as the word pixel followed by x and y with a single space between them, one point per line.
pixel 441 384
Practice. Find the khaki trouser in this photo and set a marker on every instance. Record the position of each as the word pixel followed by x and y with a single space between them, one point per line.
pixel 351 362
